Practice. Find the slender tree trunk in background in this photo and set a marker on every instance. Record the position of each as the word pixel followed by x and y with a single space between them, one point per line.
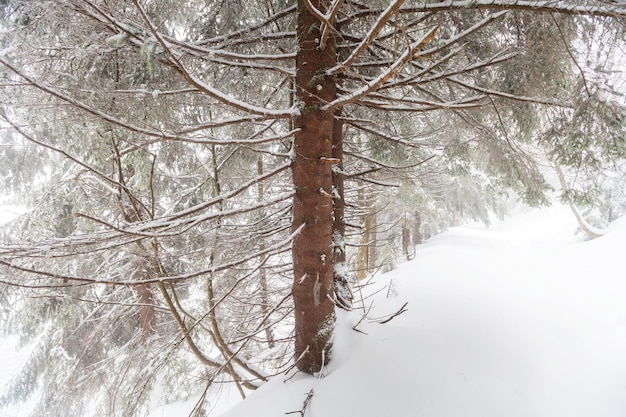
pixel 362 262
pixel 366 258
pixel 406 239
pixel 147 317
pixel 269 335
pixel 143 268
pixel 339 224
pixel 313 206
pixel 417 226
pixel 343 293
pixel 373 242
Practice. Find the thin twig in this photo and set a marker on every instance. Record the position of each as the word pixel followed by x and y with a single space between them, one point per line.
pixel 394 315
pixel 306 403
pixel 569 52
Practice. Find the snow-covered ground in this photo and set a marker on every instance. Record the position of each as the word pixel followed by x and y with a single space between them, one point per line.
pixel 523 319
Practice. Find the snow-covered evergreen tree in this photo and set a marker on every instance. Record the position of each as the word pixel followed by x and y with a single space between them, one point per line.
pixel 184 164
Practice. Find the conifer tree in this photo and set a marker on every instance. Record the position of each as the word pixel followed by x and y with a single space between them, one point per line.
pixel 198 170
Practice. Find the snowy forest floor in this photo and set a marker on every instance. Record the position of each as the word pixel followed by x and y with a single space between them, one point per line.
pixel 521 319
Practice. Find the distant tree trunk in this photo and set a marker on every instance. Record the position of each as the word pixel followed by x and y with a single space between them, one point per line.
pixel 145 297
pixel 343 293
pixel 262 273
pixel 313 206
pixel 146 300
pixel 406 239
pixel 373 242
pixel 417 226
pixel 366 257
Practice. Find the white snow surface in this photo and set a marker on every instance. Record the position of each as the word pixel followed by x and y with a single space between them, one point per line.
pixel 522 319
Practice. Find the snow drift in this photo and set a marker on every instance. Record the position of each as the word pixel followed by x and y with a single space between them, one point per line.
pixel 524 319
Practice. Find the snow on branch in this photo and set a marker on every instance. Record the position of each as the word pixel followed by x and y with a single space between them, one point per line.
pixel 501 56
pixel 56 92
pixel 369 38
pixel 328 20
pixel 70 280
pixel 382 78
pixel 125 30
pixel 459 37
pixel 421 105
pixel 228 195
pixel 591 8
pixel 332 17
pixel 422 75
pixel 361 125
pixel 416 51
pixel 252 28
pixel 119 235
pixel 254 66
pixel 383 165
pixel 206 88
pixel 496 93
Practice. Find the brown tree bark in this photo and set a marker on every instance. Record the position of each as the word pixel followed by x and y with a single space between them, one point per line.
pixel 313 206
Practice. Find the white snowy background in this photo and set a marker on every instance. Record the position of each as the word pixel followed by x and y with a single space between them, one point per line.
pixel 10 359
pixel 521 319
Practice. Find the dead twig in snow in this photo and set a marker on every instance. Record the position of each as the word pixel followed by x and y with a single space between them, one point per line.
pixel 362 318
pixel 394 315
pixel 306 403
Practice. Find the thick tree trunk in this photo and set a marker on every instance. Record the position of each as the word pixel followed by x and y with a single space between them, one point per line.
pixel 313 206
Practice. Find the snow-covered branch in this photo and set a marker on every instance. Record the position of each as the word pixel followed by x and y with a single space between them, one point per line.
pixel 386 75
pixel 58 93
pixel 371 36
pixel 589 8
pixel 206 88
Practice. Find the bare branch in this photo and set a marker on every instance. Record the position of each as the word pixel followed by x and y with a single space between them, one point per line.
pixel 394 315
pixel 305 405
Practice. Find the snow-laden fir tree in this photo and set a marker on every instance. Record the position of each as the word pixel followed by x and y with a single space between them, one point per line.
pixel 205 176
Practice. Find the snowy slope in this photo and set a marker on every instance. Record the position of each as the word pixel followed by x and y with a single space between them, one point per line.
pixel 523 319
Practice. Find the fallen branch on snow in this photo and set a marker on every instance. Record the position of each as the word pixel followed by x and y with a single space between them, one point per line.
pixel 306 403
pixel 394 315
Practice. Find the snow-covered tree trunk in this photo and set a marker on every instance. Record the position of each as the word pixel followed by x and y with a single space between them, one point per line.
pixel 313 204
